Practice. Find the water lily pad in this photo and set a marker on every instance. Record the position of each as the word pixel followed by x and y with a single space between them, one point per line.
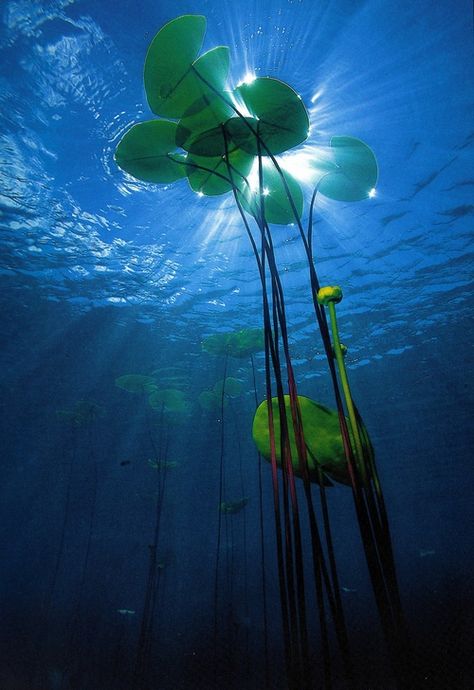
pixel 239 344
pixel 276 202
pixel 210 400
pixel 322 437
pixel 243 132
pixel 356 172
pixel 168 399
pixel 206 115
pixel 211 176
pixel 171 94
pixel 210 143
pixel 147 151
pixel 282 117
pixel 168 61
pixel 136 383
pixel 231 386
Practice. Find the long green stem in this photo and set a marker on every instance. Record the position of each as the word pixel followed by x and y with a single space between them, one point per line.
pixel 359 451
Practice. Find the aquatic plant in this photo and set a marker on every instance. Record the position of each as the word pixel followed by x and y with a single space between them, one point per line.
pixel 170 399
pixel 136 383
pixel 227 141
pixel 80 418
pixel 322 434
pixel 240 344
pixel 211 399
pixel 208 400
pixel 172 406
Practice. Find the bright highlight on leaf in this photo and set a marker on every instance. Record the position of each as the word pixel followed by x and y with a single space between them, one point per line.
pixel 276 198
pixel 248 78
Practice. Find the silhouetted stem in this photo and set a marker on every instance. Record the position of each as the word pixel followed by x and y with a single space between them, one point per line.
pixel 262 546
pixel 219 517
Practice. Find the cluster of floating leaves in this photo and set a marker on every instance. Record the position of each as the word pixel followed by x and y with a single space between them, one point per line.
pixel 214 136
pixel 169 401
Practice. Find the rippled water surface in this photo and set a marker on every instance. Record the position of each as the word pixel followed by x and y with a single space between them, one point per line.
pixel 103 275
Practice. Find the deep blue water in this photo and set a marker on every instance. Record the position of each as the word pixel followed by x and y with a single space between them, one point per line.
pixel 102 275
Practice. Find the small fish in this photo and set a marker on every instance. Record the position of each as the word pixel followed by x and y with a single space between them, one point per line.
pixel 426 552
pixel 394 216
pixel 419 186
pixel 347 590
pixel 125 612
pixel 233 506
pixel 457 211
pixel 163 465
pixel 126 462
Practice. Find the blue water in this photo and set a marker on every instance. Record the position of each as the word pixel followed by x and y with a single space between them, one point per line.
pixel 102 275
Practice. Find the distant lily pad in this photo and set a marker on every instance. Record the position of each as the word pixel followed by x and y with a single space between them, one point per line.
pixel 136 383
pixel 239 344
pixel 147 151
pixel 356 172
pixel 210 400
pixel 231 387
pixel 168 399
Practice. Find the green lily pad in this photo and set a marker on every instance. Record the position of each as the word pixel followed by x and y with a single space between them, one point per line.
pixel 169 58
pixel 145 152
pixel 239 344
pixel 282 117
pixel 246 342
pixel 210 400
pixel 209 143
pixel 200 129
pixel 231 386
pixel 322 437
pixel 211 176
pixel 356 172
pixel 242 131
pixel 276 203
pixel 172 90
pixel 168 399
pixel 136 383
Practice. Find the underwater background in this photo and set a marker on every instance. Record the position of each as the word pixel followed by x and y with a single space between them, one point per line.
pixel 104 276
